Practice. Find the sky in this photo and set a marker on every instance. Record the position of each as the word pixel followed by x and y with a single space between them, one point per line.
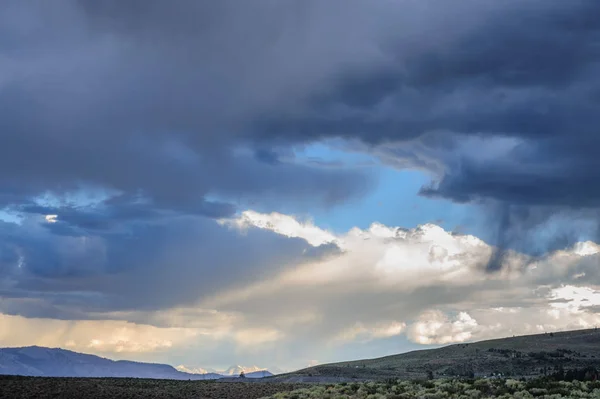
pixel 286 183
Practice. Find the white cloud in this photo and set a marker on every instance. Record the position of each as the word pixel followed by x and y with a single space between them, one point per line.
pixel 586 248
pixel 574 299
pixel 386 255
pixel 362 332
pixel 282 224
pixel 435 327
pixel 432 283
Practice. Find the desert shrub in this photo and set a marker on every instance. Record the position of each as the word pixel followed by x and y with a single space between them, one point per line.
pixel 448 387
pixel 538 391
pixel 514 384
pixel 473 393
pixel 540 388
pixel 434 395
pixel 427 384
pixel 522 395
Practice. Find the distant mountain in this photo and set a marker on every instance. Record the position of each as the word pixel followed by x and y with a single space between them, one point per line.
pixel 233 371
pixel 47 362
pixel 195 370
pixel 237 370
pixel 259 374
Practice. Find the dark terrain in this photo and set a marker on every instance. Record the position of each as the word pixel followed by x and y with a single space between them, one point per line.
pixel 523 356
pixel 13 387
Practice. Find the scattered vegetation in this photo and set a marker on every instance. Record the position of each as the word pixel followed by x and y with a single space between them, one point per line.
pixel 514 357
pixel 542 388
pixel 575 383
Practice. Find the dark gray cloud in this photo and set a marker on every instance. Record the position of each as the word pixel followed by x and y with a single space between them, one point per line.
pixel 181 110
pixel 169 92
pixel 504 113
pixel 141 265
pixel 591 309
pixel 147 104
pixel 148 98
pixel 526 72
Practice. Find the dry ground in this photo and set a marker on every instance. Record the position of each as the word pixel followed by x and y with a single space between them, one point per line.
pixel 130 388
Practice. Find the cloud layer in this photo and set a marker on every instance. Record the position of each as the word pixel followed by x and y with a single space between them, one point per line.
pixel 431 281
pixel 380 290
pixel 168 92
pixel 150 154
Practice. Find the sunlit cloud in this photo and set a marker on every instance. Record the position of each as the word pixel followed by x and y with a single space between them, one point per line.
pixel 91 336
pixel 386 264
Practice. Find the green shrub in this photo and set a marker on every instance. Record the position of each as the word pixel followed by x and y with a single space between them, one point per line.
pixel 541 388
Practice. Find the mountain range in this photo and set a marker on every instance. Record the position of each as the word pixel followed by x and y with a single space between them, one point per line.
pixel 55 362
pixel 233 371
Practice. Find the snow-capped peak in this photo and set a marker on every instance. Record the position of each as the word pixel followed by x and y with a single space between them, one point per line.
pixel 234 370
pixel 194 370
pixel 237 370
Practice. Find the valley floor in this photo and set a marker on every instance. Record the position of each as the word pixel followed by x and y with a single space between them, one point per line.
pixel 130 388
pixel 12 387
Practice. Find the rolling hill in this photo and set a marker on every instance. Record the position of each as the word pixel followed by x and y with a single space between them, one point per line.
pixel 53 362
pixel 529 355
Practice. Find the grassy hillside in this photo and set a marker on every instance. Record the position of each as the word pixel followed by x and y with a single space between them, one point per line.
pixel 530 355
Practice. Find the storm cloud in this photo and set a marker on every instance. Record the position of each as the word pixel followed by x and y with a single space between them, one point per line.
pixel 170 93
pixel 523 78
pixel 145 98
pixel 133 133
